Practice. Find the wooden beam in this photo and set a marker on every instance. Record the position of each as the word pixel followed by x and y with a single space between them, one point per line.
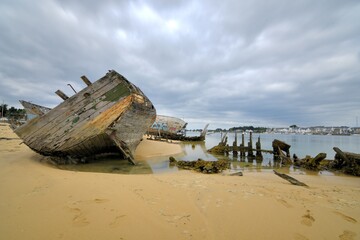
pixel 86 80
pixel 61 94
pixel 341 154
pixel 290 179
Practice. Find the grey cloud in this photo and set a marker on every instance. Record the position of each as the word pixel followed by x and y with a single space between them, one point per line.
pixel 247 62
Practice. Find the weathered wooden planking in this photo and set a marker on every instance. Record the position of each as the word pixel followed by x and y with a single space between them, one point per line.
pixel 67 110
pixel 59 122
pixel 43 131
pixel 71 106
pixel 97 126
pixel 90 111
pixel 75 129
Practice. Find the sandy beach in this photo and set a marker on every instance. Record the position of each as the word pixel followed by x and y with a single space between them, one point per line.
pixel 41 202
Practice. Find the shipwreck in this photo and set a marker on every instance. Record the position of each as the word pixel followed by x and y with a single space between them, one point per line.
pixel 166 125
pixel 173 128
pixel 33 110
pixel 110 115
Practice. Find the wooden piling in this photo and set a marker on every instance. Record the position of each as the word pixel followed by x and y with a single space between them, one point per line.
pixel 235 150
pixel 250 148
pixel 224 148
pixel 278 147
pixel 259 155
pixel 242 145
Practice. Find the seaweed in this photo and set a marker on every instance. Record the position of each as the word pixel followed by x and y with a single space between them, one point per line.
pixel 201 165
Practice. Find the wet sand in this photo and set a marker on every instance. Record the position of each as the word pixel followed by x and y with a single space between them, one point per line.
pixel 41 202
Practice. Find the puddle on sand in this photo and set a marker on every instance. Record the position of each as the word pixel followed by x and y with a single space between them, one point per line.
pixel 112 164
pixel 109 165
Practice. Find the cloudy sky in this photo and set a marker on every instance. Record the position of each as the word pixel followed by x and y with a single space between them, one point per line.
pixel 227 63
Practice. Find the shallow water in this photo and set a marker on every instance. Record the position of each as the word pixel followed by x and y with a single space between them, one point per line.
pixel 301 145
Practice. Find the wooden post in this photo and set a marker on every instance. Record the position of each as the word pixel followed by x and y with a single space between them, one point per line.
pixel 242 145
pixel 258 150
pixel 61 94
pixel 235 138
pixel 224 139
pixel 341 154
pixel 235 150
pixel 279 146
pixel 250 151
pixel 86 80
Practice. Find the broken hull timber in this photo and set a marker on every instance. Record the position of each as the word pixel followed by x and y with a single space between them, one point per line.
pixel 111 115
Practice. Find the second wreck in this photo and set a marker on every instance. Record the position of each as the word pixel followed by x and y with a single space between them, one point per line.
pixel 173 128
pixel 110 115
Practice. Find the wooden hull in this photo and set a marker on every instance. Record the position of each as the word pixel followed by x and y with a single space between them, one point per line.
pixel 167 125
pixel 109 116
pixel 173 128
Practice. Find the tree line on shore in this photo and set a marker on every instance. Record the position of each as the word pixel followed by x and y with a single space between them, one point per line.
pixel 12 112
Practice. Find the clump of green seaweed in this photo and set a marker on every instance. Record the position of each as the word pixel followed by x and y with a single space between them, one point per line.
pixel 219 149
pixel 201 165
pixel 346 162
pixel 310 163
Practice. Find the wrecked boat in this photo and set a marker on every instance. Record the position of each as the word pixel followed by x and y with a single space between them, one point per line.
pixel 167 125
pixel 110 115
pixel 173 128
pixel 33 110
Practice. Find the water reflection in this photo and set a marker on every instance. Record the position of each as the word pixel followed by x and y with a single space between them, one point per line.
pixel 195 150
pixel 110 164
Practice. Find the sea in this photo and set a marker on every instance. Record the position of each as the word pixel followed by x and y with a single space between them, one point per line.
pixel 301 145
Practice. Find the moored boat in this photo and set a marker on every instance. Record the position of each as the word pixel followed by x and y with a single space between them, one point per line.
pixel 110 115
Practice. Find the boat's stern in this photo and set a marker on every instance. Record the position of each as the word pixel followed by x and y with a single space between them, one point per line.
pixel 127 131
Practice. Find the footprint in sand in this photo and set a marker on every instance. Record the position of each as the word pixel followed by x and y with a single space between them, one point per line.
pixel 116 221
pixel 79 219
pixel 345 217
pixel 298 236
pixel 100 200
pixel 285 203
pixel 347 235
pixel 95 200
pixel 307 219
